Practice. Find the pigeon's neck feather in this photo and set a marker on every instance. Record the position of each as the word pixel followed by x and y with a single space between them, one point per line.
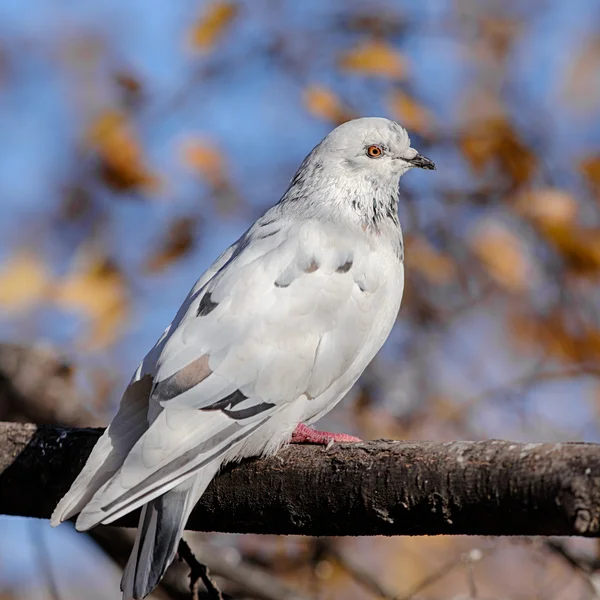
pixel 358 200
pixel 369 197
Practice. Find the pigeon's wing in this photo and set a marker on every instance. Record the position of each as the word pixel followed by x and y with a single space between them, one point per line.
pixel 283 319
pixel 131 420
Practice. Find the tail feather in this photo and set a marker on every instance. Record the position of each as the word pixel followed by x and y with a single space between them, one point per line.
pixel 160 528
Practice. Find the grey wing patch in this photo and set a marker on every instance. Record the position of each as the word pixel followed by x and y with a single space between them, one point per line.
pixel 312 267
pixel 183 380
pixel 245 413
pixel 269 234
pixel 231 400
pixel 345 267
pixel 234 399
pixel 206 305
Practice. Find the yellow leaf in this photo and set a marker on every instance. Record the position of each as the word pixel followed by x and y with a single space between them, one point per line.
pixel 375 57
pixel 211 26
pixel 24 280
pixel 503 254
pixel 95 288
pixel 122 166
pixel 410 113
pixel 323 103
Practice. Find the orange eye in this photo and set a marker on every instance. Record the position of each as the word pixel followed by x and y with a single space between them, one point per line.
pixel 374 151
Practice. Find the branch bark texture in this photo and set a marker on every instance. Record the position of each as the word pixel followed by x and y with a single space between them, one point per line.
pixel 375 488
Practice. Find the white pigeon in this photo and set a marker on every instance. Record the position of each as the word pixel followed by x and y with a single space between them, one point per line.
pixel 269 339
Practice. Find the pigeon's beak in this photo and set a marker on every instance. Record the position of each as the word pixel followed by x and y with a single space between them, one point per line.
pixel 422 162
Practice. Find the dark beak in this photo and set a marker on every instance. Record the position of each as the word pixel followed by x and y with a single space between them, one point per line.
pixel 422 162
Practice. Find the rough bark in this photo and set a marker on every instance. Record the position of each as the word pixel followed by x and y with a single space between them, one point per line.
pixel 376 488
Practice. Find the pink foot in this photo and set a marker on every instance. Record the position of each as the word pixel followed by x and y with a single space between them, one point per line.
pixel 307 435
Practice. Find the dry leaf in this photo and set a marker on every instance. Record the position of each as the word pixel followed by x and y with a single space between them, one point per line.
pixel 590 169
pixel 24 281
pixel 323 103
pixel 205 158
pixel 375 57
pixel 179 240
pixel 499 34
pixel 122 165
pixel 95 288
pixel 579 247
pixel 434 265
pixel 548 207
pixel 495 142
pixel 130 88
pixel 503 254
pixel 410 113
pixel 554 212
pixel 557 336
pixel 211 26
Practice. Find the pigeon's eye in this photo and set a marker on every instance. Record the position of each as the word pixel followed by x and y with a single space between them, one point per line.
pixel 374 151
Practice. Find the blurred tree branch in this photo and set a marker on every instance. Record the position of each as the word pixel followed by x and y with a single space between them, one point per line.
pixel 37 384
pixel 375 488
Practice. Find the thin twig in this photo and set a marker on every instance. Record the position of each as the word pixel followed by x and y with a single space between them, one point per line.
pixel 198 572
pixel 360 574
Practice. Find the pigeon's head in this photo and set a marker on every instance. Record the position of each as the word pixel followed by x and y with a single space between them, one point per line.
pixel 372 147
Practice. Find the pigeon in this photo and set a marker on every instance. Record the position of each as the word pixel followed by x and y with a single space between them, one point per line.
pixel 270 338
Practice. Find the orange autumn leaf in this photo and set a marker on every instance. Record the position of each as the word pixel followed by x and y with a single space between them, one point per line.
pixel 554 213
pixel 323 103
pixel 503 255
pixel 590 169
pixel 410 113
pixel 375 57
pixel 213 23
pixel 548 207
pixel 205 158
pixel 434 265
pixel 556 335
pixel 122 162
pixel 24 281
pixel 579 247
pixel 493 141
pixel 96 289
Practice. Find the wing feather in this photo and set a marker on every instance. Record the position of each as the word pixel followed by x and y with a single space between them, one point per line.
pixel 281 319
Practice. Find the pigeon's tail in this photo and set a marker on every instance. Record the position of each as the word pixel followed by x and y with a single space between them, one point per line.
pixel 160 528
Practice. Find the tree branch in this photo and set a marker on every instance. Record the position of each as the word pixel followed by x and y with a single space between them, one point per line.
pixel 376 488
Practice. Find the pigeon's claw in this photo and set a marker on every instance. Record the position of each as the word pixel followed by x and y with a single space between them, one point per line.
pixel 307 435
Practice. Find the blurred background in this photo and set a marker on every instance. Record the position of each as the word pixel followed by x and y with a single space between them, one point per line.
pixel 141 138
